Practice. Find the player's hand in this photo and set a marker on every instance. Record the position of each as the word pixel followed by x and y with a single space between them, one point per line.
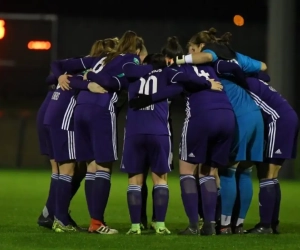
pixel 141 101
pixel 96 88
pixel 215 85
pixel 85 74
pixel 63 82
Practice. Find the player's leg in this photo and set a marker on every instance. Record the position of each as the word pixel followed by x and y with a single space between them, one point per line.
pixel 84 151
pixel 144 220
pixel 219 146
pixel 159 152
pixel 105 152
pixel 79 174
pixel 255 145
pixel 64 153
pixel 209 196
pixel 244 196
pixel 47 216
pixel 187 165
pixel 134 161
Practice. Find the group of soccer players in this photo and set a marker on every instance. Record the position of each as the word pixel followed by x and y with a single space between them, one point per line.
pixel 234 120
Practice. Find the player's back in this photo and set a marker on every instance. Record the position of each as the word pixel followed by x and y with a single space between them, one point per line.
pixel 154 118
pixel 60 108
pixel 266 97
pixel 114 69
pixel 241 102
pixel 205 99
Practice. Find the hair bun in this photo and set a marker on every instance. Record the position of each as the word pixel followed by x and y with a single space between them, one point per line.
pixel 173 39
pixel 212 31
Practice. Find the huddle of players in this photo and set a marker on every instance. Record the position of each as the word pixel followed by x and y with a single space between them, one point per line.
pixel 237 95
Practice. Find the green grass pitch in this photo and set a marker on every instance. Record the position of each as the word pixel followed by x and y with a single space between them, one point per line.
pixel 23 194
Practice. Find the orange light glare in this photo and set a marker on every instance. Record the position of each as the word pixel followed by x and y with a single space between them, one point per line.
pixel 2 29
pixel 39 45
pixel 238 20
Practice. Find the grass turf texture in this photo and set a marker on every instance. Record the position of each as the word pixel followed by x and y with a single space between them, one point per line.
pixel 23 194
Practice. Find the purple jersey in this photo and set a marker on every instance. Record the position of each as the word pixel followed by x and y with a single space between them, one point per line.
pixel 205 99
pixel 59 113
pixel 267 98
pixel 151 120
pixel 110 77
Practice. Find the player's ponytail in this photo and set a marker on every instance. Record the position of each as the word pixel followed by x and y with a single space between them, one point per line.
pixel 97 48
pixel 206 36
pixel 225 38
pixel 129 43
pixel 172 49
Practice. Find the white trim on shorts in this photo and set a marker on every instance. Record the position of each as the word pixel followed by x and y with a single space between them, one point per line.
pixel 183 148
pixel 272 126
pixel 68 114
pixel 71 145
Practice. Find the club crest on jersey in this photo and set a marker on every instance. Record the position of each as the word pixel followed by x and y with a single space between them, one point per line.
pixel 136 61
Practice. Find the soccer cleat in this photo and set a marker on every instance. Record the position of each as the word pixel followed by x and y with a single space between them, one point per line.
pixel 208 228
pixel 201 222
pixel 58 227
pixel 190 231
pixel 238 229
pixel 101 228
pixel 136 232
pixel 153 225
pixel 162 231
pixel 259 229
pixel 45 222
pixel 225 230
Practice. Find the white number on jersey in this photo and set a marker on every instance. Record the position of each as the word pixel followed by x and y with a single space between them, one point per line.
pixel 201 73
pixel 55 95
pixel 145 88
pixel 99 66
pixel 270 87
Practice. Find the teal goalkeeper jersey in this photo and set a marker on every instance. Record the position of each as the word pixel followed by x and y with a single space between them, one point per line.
pixel 241 101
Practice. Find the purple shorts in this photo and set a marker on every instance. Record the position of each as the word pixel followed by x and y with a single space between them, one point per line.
pixel 43 133
pixel 95 134
pixel 208 138
pixel 142 151
pixel 281 137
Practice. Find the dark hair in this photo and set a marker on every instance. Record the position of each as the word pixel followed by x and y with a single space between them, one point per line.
pixel 157 60
pixel 225 38
pixel 102 47
pixel 147 59
pixel 172 49
pixel 128 44
pixel 209 36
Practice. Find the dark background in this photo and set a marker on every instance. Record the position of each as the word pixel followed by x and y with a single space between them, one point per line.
pixel 78 25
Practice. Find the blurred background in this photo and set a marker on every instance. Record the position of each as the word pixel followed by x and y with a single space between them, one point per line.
pixel 34 33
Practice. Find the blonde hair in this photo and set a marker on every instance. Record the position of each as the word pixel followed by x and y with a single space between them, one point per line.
pixel 128 44
pixel 102 47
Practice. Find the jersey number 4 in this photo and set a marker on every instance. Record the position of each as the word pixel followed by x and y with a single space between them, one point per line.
pixel 145 88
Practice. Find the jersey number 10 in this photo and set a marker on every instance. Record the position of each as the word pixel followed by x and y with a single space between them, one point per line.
pixel 145 88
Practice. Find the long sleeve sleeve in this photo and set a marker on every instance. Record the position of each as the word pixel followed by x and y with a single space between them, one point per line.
pixel 168 92
pixel 224 68
pixel 76 82
pixel 71 65
pixel 181 77
pixel 132 70
pixel 106 80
